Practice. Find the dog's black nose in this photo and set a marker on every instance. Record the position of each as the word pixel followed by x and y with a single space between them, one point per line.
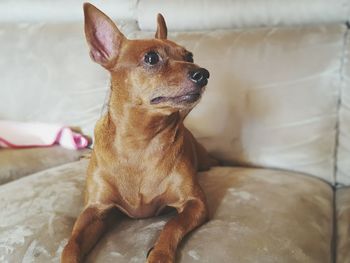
pixel 199 76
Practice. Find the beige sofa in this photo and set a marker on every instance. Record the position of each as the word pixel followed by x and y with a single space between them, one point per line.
pixel 276 112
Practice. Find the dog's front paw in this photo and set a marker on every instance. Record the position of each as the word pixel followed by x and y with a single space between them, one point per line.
pixel 157 256
pixel 70 253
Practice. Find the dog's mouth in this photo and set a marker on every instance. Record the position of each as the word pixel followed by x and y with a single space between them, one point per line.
pixel 187 98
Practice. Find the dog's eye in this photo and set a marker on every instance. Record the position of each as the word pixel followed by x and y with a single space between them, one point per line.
pixel 151 58
pixel 189 57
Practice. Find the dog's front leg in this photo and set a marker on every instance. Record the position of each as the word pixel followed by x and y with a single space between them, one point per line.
pixel 88 228
pixel 194 214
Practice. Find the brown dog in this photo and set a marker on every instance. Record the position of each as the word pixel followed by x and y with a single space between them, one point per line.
pixel 144 159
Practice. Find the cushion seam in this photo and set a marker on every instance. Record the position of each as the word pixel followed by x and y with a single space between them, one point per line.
pixel 341 70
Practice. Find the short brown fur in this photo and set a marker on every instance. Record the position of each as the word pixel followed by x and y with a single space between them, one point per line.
pixel 144 159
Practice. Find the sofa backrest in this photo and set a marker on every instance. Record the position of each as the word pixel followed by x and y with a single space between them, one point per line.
pixel 47 75
pixel 272 99
pixel 195 15
pixel 61 11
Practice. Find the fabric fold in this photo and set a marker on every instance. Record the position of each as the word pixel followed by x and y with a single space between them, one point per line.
pixel 15 134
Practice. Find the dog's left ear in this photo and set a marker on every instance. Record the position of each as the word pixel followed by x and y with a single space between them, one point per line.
pixel 162 31
pixel 102 35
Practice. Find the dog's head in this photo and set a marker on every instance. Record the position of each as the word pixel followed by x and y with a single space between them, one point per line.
pixel 157 73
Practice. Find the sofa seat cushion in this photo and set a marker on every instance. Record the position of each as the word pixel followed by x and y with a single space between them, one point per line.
pixel 16 163
pixel 258 215
pixel 343 225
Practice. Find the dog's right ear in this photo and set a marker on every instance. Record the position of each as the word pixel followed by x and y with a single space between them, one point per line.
pixel 102 35
pixel 162 31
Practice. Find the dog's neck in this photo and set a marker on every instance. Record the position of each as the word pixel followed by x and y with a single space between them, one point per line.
pixel 138 127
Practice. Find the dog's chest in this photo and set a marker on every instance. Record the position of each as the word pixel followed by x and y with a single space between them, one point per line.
pixel 141 195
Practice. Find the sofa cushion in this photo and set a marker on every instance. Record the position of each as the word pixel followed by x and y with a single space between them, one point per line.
pixel 257 216
pixel 61 11
pixel 185 15
pixel 50 76
pixel 16 163
pixel 272 97
pixel 343 225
